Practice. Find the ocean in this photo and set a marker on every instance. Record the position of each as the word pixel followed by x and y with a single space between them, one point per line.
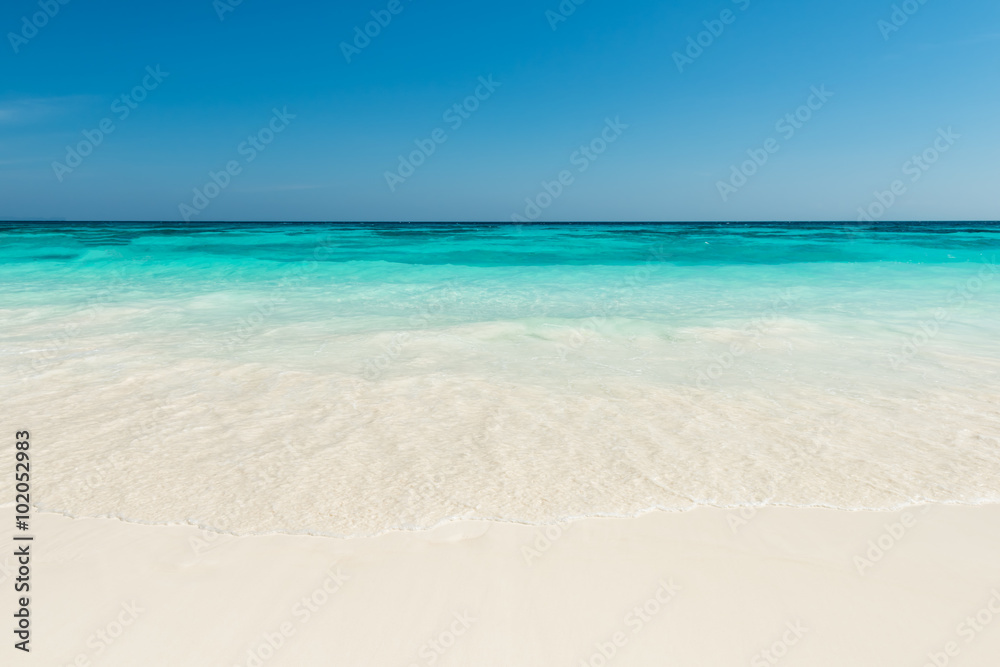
pixel 352 379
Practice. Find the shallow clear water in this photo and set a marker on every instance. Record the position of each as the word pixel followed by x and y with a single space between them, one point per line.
pixel 349 380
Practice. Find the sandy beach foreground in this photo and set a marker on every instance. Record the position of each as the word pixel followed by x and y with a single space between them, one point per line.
pixel 706 587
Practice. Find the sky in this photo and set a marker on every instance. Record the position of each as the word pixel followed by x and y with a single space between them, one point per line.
pixel 524 111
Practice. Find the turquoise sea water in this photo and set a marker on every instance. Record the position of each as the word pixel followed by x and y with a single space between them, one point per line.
pixel 351 379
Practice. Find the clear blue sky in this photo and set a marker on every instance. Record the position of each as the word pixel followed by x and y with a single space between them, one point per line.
pixel 892 91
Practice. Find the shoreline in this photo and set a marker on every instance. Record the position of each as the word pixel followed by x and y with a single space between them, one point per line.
pixel 560 522
pixel 705 586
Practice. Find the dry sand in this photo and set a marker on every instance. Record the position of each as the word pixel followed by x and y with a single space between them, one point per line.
pixel 707 587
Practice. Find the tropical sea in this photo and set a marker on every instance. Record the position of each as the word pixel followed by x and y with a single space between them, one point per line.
pixel 352 379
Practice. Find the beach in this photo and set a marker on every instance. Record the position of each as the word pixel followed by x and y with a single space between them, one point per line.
pixel 520 334
pixel 587 445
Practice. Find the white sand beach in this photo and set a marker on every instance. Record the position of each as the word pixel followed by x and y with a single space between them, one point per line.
pixel 500 334
pixel 785 586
